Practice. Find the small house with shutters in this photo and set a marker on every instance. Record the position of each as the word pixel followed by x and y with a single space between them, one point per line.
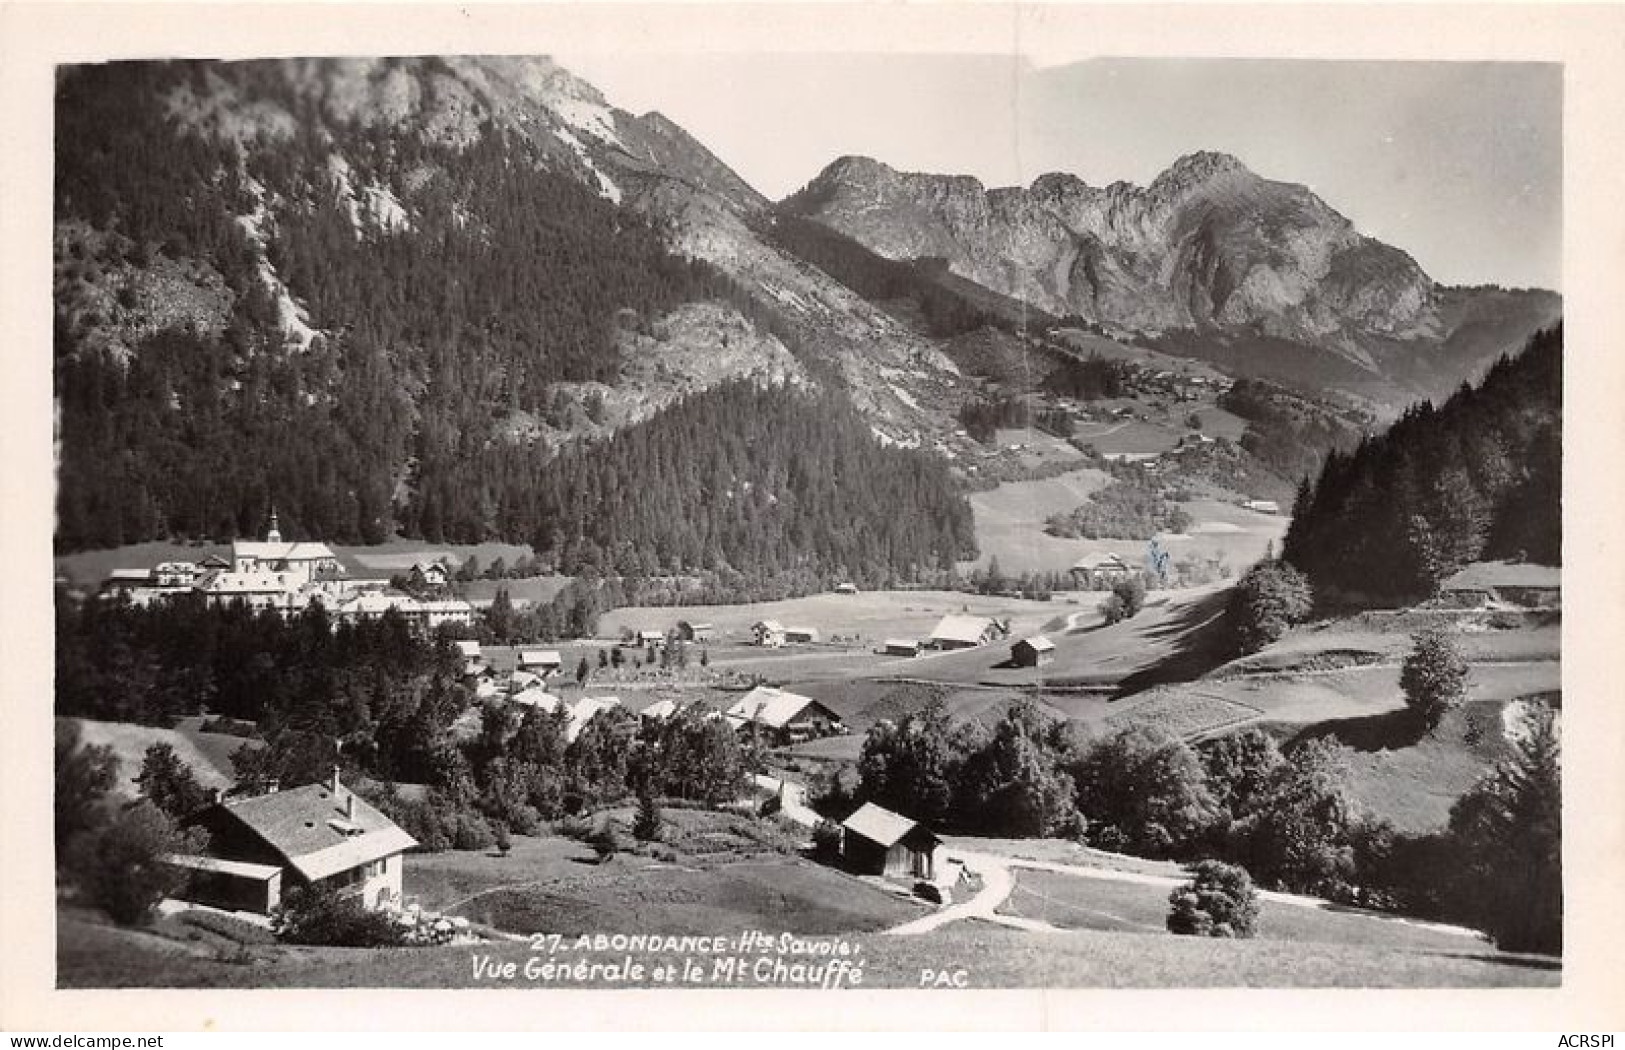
pixel 768 634
pixel 1032 652
pixel 876 841
pixel 429 574
pixel 783 717
pixel 319 834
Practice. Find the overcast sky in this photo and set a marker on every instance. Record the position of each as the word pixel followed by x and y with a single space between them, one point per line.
pixel 1459 164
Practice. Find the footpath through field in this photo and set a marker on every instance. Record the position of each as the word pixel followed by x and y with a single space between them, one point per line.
pixel 792 799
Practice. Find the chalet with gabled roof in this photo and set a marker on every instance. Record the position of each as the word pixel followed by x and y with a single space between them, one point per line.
pixel 783 717
pixel 319 834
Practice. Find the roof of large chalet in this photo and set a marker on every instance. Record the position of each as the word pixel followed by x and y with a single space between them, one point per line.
pixel 308 827
pixel 540 658
pixel 221 582
pixel 468 647
pixel 1486 574
pixel 378 603
pixel 305 550
pixel 880 825
pixel 536 696
pixel 585 710
pixel 660 710
pixel 957 628
pixel 770 625
pixel 771 707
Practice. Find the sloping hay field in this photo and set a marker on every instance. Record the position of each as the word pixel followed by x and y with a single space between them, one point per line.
pixel 208 755
pixel 1079 903
pixel 1411 779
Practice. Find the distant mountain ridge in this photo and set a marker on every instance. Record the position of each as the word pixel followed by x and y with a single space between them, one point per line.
pixel 1207 246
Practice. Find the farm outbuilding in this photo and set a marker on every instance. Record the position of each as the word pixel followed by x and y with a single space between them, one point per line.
pixel 767 633
pixel 1100 570
pixel 1032 652
pixel 695 632
pixel 876 841
pixel 1512 583
pixel 963 632
pixel 901 647
pixel 801 635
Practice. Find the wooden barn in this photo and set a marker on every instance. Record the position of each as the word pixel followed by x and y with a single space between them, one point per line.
pixel 876 841
pixel 1033 652
pixel 688 631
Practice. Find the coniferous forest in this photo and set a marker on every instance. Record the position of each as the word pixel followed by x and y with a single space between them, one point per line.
pixel 436 332
pixel 1480 477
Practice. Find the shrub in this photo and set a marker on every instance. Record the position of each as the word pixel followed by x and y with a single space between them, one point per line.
pixel 168 783
pixel 1271 597
pixel 577 826
pixel 1112 609
pixel 318 915
pixel 1220 901
pixel 119 865
pixel 605 842
pixel 1131 592
pixel 1434 676
pixel 826 838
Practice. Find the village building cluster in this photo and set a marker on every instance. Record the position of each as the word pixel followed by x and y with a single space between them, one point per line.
pixel 288 577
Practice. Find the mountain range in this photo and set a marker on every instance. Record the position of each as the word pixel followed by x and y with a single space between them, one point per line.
pixel 1208 247
pixel 421 264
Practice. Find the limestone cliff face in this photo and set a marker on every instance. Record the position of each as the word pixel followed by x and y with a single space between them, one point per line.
pixel 1208 243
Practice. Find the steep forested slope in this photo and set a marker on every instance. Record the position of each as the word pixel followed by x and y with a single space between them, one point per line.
pixel 1479 477
pixel 381 296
